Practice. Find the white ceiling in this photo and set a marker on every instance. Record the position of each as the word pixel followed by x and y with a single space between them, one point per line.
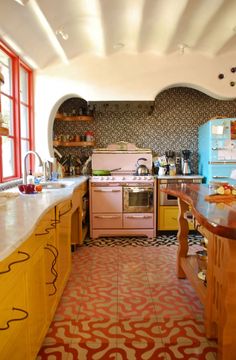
pixel 102 28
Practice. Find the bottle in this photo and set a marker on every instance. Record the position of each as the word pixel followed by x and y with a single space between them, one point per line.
pixel 30 178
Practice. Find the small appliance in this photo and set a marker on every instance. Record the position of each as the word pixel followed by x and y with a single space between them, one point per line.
pixel 185 164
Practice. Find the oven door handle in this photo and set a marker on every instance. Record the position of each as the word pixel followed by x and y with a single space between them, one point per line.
pixel 139 216
pixel 107 190
pixel 107 216
pixel 138 190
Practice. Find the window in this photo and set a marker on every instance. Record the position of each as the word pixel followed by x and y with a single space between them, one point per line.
pixel 16 106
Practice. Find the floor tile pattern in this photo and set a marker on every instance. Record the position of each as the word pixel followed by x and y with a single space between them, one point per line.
pixel 125 302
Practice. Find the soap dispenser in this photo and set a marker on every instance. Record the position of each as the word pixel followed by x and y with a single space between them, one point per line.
pixel 30 178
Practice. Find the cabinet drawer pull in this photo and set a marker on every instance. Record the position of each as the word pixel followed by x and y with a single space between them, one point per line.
pixel 51 247
pixel 19 319
pixel 16 262
pixel 65 212
pixel 54 222
pixel 173 218
pixel 107 216
pixel 138 217
pixel 108 190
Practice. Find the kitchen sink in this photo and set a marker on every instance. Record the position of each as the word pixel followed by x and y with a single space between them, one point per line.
pixel 50 185
pixel 53 185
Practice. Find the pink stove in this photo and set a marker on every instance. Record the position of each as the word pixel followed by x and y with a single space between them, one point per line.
pixel 122 204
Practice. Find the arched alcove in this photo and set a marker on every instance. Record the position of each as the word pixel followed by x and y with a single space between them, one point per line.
pixel 52 117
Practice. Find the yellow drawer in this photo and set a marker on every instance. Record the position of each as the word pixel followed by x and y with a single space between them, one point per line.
pixel 18 261
pixel 64 208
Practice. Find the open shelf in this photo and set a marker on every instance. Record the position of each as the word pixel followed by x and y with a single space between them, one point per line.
pixel 74 143
pixel 190 267
pixel 73 118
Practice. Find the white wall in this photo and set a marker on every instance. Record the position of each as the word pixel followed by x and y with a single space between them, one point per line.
pixel 124 77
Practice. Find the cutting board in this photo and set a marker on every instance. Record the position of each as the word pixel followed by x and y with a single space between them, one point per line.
pixel 220 198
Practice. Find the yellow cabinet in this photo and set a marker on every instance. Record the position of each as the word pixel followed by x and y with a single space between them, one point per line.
pixel 38 323
pixel 168 218
pixel 14 311
pixel 79 226
pixel 63 232
pixel 46 232
pixel 14 319
pixel 32 279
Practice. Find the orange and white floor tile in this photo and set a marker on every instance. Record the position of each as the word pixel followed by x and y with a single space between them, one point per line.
pixel 126 303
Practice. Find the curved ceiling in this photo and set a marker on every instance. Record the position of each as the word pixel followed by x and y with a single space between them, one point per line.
pixel 47 32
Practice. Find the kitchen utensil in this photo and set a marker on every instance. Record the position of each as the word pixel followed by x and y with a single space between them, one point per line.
pixel 142 169
pixel 104 172
pixel 162 171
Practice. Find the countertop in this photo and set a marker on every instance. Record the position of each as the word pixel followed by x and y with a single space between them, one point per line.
pixel 20 214
pixel 219 218
pixel 166 177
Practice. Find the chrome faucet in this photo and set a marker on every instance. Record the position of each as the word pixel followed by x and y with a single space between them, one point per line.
pixel 25 168
pixel 47 171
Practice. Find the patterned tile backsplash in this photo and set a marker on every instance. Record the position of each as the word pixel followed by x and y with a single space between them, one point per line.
pixel 170 123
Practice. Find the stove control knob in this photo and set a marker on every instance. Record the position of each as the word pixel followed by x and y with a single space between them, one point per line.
pixel 123 177
pixel 134 178
pixel 112 178
pixel 139 178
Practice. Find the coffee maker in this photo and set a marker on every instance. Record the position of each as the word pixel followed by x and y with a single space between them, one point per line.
pixel 185 162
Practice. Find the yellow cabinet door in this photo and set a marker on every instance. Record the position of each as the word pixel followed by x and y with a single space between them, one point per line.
pixel 168 218
pixel 46 232
pixel 37 301
pixel 63 233
pixel 79 226
pixel 14 320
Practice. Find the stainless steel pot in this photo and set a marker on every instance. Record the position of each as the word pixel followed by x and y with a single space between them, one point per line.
pixel 141 168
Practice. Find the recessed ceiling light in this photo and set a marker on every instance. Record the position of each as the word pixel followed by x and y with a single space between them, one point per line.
pixel 119 45
pixel 63 34
pixel 182 48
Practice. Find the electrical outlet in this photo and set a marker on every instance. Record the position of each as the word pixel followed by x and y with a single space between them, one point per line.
pixel 177 160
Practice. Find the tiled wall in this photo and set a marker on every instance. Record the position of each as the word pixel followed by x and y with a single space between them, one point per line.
pixel 172 125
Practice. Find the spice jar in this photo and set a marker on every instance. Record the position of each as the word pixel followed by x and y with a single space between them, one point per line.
pixel 89 135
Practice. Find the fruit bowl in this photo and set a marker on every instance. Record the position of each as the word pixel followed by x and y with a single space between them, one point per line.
pixel 226 190
pixel 27 189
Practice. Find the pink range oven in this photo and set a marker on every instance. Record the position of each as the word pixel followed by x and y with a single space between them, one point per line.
pixel 123 204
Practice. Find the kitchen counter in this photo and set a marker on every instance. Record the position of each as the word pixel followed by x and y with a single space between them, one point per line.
pixel 176 177
pixel 217 223
pixel 219 218
pixel 20 214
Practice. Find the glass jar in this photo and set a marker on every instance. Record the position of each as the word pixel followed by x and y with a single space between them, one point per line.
pixel 89 135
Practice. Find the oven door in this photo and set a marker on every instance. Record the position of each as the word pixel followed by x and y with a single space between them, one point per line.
pixel 167 199
pixel 138 199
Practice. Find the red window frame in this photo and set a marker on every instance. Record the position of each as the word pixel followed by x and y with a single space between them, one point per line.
pixel 16 64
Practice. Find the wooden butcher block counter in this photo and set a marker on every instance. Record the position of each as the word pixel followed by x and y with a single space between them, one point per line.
pixel 216 221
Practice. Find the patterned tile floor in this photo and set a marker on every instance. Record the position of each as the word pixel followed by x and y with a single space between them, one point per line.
pixel 123 301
